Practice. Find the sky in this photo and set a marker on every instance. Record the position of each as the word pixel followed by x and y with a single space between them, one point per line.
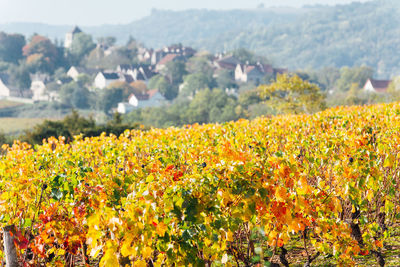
pixel 97 12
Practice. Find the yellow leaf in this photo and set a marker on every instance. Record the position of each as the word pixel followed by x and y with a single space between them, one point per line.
pixel 229 236
pixel 146 252
pixel 281 194
pixel 161 229
pixel 110 255
pixel 139 263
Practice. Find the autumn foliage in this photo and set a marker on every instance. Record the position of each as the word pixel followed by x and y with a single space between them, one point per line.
pixel 235 193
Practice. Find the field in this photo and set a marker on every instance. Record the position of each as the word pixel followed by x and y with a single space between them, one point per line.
pixel 319 189
pixel 18 125
pixel 8 104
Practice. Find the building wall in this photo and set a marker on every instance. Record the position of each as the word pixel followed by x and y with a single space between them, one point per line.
pixel 4 91
pixel 38 89
pixel 133 101
pixel 100 81
pixel 73 73
pixel 68 40
pixel 368 87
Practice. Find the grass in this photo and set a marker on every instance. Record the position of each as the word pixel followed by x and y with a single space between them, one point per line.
pixel 8 104
pixel 13 126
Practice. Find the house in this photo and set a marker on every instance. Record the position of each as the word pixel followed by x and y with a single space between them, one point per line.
pixel 376 86
pixel 179 49
pixel 155 99
pixel 255 72
pixel 165 60
pixel 39 88
pixel 125 68
pixel 124 108
pixel 75 71
pixel 246 73
pixel 227 62
pixel 152 98
pixel 69 37
pixel 144 55
pixel 6 89
pixel 103 79
pixel 64 80
pixel 156 56
pixel 143 73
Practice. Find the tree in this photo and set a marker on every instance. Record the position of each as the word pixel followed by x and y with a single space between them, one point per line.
pixel 109 98
pixel 20 77
pixel 352 97
pixel 200 65
pixel 244 55
pixel 196 82
pixel 291 94
pixel 98 59
pixel 175 70
pixel 225 79
pixel 168 90
pixel 75 95
pixel 125 88
pixel 42 54
pixel 106 41
pixel 358 75
pixel 81 46
pixel 11 47
pixel 211 106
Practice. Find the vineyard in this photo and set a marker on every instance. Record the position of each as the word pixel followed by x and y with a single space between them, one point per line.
pixel 288 190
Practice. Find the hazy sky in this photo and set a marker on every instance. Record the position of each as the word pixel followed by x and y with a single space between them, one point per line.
pixel 96 12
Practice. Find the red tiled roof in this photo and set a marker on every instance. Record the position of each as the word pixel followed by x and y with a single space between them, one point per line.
pixel 167 58
pixel 249 69
pixel 140 96
pixel 152 92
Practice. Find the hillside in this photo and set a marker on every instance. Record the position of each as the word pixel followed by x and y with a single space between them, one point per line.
pixel 310 37
pixel 244 193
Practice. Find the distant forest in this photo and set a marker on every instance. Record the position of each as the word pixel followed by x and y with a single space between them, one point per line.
pixel 311 37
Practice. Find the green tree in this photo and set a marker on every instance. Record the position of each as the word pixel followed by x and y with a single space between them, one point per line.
pixel 200 65
pixel 352 97
pixel 81 46
pixel 175 70
pixel 11 47
pixel 109 98
pixel 74 95
pixel 107 41
pixel 20 77
pixel 196 82
pixel 290 94
pixel 211 106
pixel 225 79
pixel 358 75
pixel 168 90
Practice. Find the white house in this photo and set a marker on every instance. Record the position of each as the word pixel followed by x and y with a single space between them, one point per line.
pixel 69 37
pixel 143 73
pixel 165 60
pixel 255 72
pixel 39 88
pixel 124 108
pixel 5 88
pixel 246 73
pixel 152 98
pixel 376 86
pixel 104 79
pixel 74 72
pixel 227 62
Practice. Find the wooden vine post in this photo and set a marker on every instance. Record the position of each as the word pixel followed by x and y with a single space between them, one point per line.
pixel 9 246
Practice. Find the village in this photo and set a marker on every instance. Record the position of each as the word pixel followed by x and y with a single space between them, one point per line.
pixel 150 63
